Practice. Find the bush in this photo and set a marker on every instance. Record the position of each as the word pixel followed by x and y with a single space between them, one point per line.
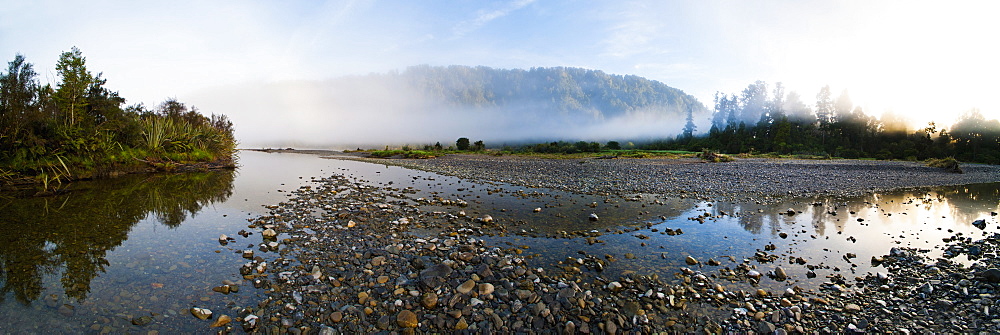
pixel 714 157
pixel 950 164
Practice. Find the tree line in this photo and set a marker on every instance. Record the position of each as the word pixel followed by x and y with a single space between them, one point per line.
pixel 768 120
pixel 79 127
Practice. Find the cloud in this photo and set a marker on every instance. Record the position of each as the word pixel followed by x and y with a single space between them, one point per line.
pixel 484 17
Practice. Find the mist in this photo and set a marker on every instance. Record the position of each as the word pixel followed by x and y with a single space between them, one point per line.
pixel 371 112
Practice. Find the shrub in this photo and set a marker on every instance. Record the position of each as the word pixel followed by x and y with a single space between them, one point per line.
pixel 949 164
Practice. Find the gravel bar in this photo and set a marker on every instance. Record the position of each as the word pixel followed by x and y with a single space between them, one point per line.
pixel 744 180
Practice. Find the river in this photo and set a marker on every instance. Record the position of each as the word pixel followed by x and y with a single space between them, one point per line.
pixel 134 254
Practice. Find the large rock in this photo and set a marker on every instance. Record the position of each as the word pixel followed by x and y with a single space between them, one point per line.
pixel 407 319
pixel 435 275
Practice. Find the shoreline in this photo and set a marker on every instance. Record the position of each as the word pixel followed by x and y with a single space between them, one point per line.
pixel 750 180
pixel 361 268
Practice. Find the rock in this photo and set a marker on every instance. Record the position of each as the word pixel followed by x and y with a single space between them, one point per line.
pixel 407 319
pixel 779 274
pixel 351 224
pixel 269 233
pixel 223 239
pixel 852 308
pixel 201 313
pixel 783 235
pixel 250 322
pixel 224 289
pixel 461 324
pixel 384 322
pixel 981 223
pixel 593 217
pixel 336 316
pixel 222 321
pixel 610 327
pixel 142 320
pixel 435 275
pixel 570 328
pixel 690 260
pixel 990 275
pixel 67 310
pixel 429 300
pixel 487 219
pixel 538 209
pixel 466 287
pixel 614 286
pixel 486 289
pixel 790 211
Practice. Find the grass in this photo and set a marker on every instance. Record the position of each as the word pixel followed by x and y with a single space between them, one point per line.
pixel 950 164
pixel 418 154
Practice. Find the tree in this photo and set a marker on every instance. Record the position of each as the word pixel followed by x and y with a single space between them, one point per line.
pixel 478 146
pixel 19 91
pixel 70 96
pixel 690 127
pixel 613 145
pixel 824 107
pixel 462 144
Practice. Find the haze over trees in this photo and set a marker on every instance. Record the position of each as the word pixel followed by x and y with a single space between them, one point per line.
pixel 80 128
pixel 763 120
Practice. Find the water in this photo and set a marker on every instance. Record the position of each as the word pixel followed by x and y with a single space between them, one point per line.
pixel 110 252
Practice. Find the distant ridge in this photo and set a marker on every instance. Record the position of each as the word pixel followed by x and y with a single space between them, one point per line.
pixel 568 95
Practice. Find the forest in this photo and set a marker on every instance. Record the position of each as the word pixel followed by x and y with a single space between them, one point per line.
pixel 571 95
pixel 763 120
pixel 80 129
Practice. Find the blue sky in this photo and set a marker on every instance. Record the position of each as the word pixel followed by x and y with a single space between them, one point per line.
pixel 928 60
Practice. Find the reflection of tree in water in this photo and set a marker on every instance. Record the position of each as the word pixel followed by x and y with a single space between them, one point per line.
pixel 972 202
pixel 73 232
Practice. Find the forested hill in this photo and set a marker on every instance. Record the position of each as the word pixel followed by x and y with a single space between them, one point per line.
pixel 578 95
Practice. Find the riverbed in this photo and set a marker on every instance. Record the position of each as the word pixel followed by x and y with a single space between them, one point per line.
pixel 135 254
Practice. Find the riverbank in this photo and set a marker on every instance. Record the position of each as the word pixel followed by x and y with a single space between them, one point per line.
pixel 744 180
pixel 358 257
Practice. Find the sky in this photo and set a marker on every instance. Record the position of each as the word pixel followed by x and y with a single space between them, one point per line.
pixel 928 60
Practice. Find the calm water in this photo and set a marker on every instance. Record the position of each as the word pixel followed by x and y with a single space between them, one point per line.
pixel 112 251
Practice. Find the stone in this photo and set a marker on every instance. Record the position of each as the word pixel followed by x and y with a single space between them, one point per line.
pixel 779 274
pixel 461 324
pixel 222 321
pixel 142 320
pixel 382 279
pixel 593 217
pixel 691 260
pixel 486 289
pixel 201 313
pixel 269 233
pixel 224 289
pixel 981 223
pixel 429 300
pixel 990 275
pixel 466 287
pixel 852 308
pixel 336 316
pixel 406 319
pixel 67 310
pixel 435 275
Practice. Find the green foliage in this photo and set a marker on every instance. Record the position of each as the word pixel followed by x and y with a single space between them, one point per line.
pixel 462 144
pixel 417 154
pixel 714 157
pixel 948 163
pixel 80 127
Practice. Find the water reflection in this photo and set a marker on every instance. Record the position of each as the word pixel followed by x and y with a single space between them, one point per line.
pixel 71 234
